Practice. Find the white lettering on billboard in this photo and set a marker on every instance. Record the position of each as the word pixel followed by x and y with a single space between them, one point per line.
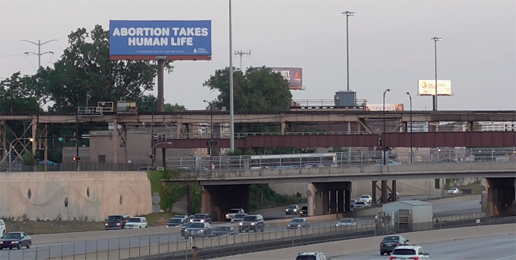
pixel 138 32
pixel 417 127
pixel 427 87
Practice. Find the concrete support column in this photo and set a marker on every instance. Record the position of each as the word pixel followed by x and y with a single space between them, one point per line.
pixel 340 201
pixel 318 203
pixel 206 201
pixel 393 192
pixel 325 202
pixel 333 201
pixel 373 190
pixel 164 157
pixel 347 194
pixel 310 196
pixel 384 191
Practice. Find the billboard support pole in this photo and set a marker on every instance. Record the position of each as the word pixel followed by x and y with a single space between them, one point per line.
pixel 161 100
pixel 436 39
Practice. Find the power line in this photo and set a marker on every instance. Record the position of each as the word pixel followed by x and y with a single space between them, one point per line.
pixel 241 53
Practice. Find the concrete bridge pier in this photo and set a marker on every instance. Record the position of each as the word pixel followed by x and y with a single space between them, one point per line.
pixel 328 198
pixel 501 196
pixel 218 200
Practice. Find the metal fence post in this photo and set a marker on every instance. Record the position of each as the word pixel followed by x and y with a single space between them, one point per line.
pixel 85 249
pixel 73 250
pixel 108 248
pixel 97 249
pixel 149 244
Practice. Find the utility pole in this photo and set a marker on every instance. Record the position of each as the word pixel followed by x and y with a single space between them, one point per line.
pixel 39 54
pixel 241 53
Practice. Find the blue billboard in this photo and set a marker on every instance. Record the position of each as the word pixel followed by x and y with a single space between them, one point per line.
pixel 159 39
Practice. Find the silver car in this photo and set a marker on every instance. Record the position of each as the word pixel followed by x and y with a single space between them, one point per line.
pixel 296 223
pixel 238 217
pixel 198 229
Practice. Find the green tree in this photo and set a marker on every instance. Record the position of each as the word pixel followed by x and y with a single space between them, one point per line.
pixel 84 71
pixel 147 103
pixel 259 89
pixel 18 95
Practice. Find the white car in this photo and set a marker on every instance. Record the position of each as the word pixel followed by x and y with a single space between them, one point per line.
pixel 2 228
pixel 136 222
pixel 232 212
pixel 346 222
pixel 453 191
pixel 389 162
pixel 409 252
pixel 366 198
pixel 360 205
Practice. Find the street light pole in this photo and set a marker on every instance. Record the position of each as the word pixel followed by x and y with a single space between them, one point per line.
pixel 231 107
pixel 411 130
pixel 39 54
pixel 436 39
pixel 153 153
pixel 211 125
pixel 384 147
pixel 348 14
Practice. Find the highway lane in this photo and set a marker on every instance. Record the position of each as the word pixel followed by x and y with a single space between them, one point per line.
pixel 493 248
pixel 98 241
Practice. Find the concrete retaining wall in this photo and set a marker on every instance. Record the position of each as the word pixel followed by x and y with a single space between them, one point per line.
pixel 73 195
pixel 368 244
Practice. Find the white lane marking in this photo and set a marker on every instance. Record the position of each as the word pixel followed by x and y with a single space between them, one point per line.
pixel 507 257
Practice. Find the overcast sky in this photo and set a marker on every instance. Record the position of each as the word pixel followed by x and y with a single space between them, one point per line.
pixel 389 44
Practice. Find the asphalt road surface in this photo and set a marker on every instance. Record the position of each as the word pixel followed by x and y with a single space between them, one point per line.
pixel 98 243
pixel 492 248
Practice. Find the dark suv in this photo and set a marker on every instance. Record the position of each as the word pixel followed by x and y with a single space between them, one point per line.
pixel 251 222
pixel 292 210
pixel 116 222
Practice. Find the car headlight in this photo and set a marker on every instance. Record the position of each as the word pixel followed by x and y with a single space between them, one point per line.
pixel 286 209
pixel 202 220
pixel 227 215
pixel 200 231
pixel 252 224
pixel 106 224
pixel 191 220
pixel 295 209
pixel 118 224
pixel 14 242
pixel 298 225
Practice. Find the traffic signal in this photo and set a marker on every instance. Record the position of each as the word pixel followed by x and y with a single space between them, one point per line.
pixel 75 159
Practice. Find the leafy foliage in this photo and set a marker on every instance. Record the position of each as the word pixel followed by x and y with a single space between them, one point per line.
pixel 85 72
pixel 259 89
pixel 147 104
pixel 172 192
pixel 18 95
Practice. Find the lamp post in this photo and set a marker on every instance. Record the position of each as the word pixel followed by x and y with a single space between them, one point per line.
pixel 11 148
pixel 39 54
pixel 411 130
pixel 231 107
pixel 384 147
pixel 436 39
pixel 211 125
pixel 348 14
pixel 154 153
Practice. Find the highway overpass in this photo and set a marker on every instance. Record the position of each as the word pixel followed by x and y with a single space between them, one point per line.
pixel 328 189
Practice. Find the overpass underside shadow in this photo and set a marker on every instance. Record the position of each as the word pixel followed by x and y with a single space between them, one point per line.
pixel 500 196
pixel 328 197
pixel 217 200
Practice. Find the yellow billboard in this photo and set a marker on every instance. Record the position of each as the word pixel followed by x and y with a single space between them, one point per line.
pixel 427 87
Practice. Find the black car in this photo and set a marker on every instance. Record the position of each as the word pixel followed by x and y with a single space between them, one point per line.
pixel 116 222
pixel 292 210
pixel 251 222
pixel 174 222
pixel 304 211
pixel 15 240
pixel 201 217
pixel 390 199
pixel 390 242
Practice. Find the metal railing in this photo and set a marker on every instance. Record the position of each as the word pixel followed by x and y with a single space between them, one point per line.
pixel 175 246
pixel 345 159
